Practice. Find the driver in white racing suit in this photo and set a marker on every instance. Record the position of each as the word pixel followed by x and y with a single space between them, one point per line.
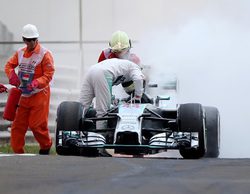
pixel 100 78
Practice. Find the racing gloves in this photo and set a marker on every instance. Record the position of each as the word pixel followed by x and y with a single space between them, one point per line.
pixel 135 99
pixel 13 79
pixel 34 84
pixel 2 88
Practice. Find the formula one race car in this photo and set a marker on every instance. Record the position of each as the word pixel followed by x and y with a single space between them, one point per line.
pixel 139 129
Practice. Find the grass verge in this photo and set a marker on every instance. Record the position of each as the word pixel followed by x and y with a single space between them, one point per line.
pixel 31 149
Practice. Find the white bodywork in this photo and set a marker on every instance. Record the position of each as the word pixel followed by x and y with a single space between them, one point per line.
pixel 129 119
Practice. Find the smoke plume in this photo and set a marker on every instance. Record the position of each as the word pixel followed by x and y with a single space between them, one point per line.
pixel 209 54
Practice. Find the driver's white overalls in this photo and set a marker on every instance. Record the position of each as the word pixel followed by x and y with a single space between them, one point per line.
pixel 100 78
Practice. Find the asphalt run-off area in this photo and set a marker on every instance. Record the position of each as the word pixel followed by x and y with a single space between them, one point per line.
pixel 24 174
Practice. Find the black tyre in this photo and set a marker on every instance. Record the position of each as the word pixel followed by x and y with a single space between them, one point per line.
pixel 69 115
pixel 212 122
pixel 60 150
pixel 190 119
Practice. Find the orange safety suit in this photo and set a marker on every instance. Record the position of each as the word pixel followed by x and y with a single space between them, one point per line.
pixel 106 54
pixel 33 107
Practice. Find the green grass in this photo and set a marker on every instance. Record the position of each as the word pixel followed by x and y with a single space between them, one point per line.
pixel 31 149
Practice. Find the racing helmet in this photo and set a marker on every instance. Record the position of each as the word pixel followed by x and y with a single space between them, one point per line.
pixel 119 41
pixel 30 31
pixel 129 87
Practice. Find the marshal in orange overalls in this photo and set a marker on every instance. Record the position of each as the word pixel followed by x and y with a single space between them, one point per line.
pixel 33 107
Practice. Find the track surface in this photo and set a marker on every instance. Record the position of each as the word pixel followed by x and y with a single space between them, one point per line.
pixel 70 174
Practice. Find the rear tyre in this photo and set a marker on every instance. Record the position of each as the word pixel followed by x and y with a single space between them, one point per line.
pixel 190 119
pixel 212 121
pixel 69 115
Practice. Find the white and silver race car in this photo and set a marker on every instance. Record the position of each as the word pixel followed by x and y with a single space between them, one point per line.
pixel 139 129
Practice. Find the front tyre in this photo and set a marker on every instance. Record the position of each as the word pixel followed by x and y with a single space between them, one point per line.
pixel 191 120
pixel 212 121
pixel 69 115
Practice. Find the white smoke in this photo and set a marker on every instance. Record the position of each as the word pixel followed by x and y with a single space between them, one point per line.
pixel 210 56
